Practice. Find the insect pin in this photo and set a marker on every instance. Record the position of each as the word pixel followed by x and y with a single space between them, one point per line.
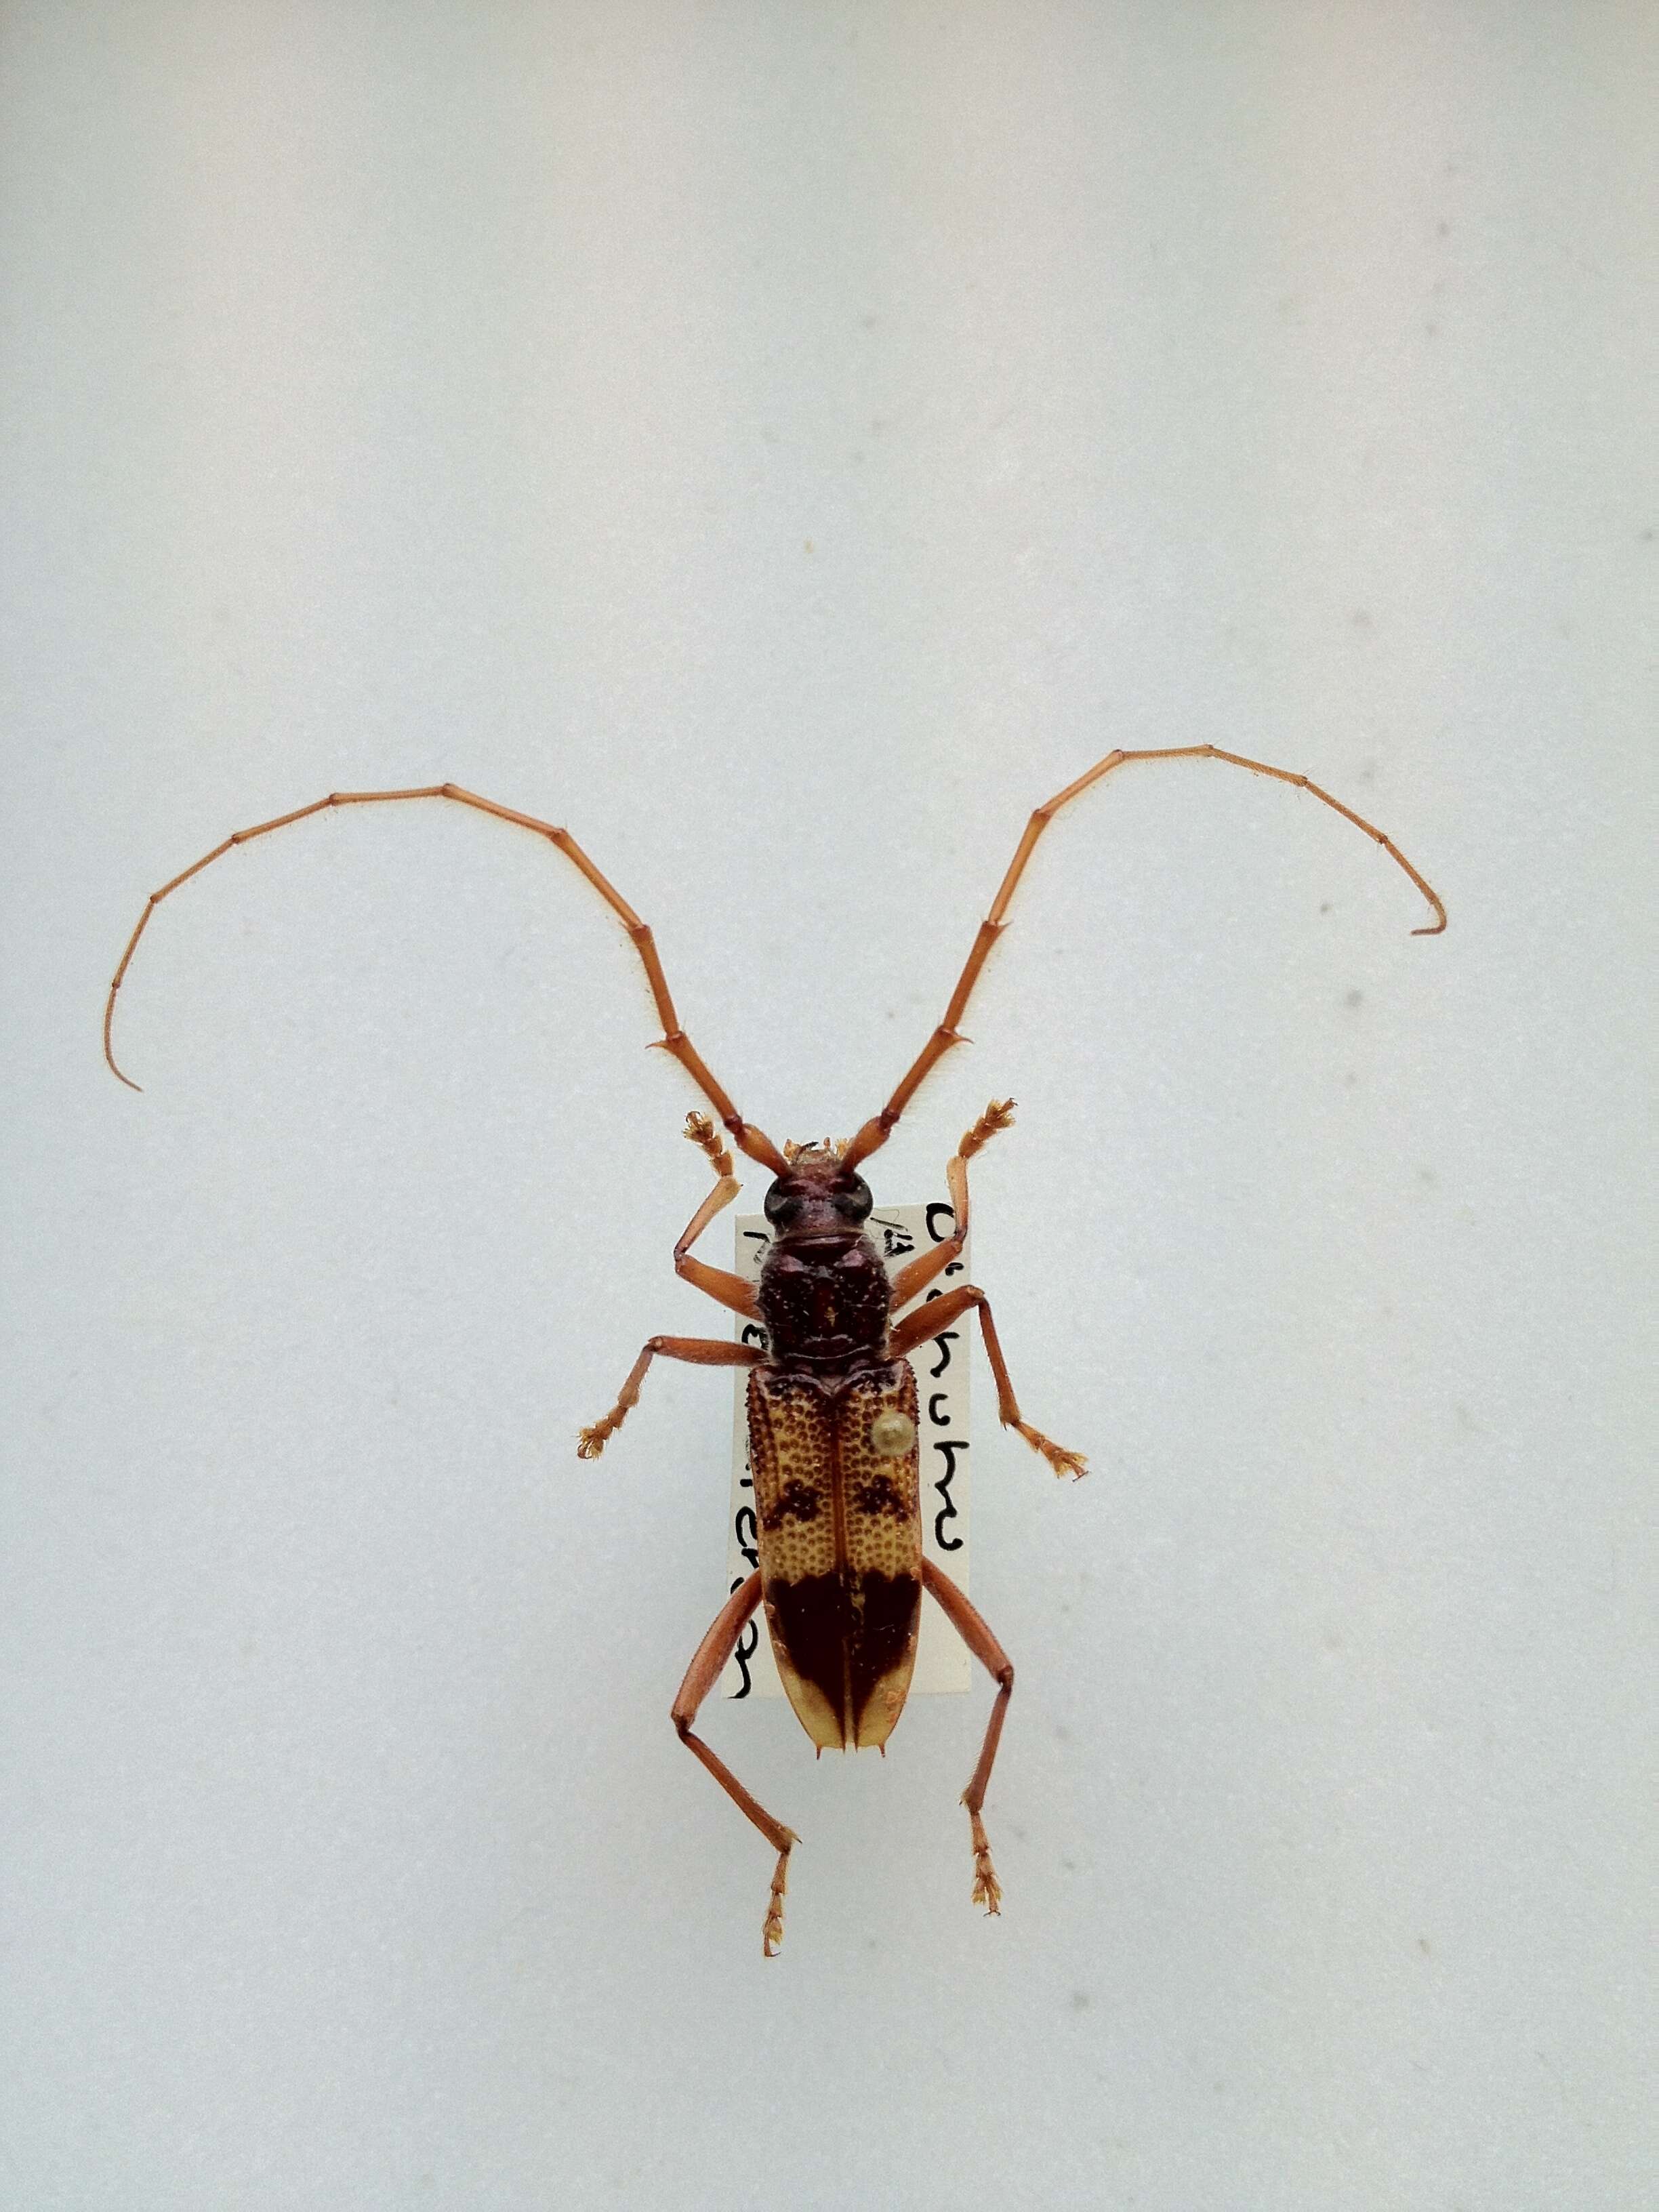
pixel 832 1398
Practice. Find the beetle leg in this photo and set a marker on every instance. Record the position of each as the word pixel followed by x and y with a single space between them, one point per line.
pixel 911 1280
pixel 700 1677
pixel 717 1283
pixel 699 1351
pixel 974 1632
pixel 928 1321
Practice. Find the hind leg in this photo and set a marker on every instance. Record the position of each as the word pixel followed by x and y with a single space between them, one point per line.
pixel 700 1677
pixel 987 1890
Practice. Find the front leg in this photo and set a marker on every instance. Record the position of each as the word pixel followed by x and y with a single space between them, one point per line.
pixel 914 1277
pixel 699 1351
pixel 717 1282
pixel 926 1322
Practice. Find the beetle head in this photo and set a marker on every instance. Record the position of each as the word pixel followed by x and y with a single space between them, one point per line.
pixel 817 1194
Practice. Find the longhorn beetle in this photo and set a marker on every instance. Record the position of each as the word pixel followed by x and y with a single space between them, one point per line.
pixel 832 1403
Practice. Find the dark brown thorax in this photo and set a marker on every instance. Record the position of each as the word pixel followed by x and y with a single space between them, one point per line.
pixel 823 1291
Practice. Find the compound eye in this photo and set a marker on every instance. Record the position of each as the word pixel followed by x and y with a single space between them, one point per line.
pixel 781 1208
pixel 855 1202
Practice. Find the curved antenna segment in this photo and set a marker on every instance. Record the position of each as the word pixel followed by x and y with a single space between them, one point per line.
pixel 674 1041
pixel 876 1131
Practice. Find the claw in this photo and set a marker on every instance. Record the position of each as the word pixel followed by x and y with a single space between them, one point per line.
pixel 1066 1462
pixel 1061 1461
pixel 702 1132
pixel 590 1443
pixel 999 1114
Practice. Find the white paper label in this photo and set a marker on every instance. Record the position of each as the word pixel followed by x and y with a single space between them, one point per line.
pixel 898 1233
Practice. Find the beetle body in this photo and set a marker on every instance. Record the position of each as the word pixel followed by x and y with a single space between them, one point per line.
pixel 832 1401
pixel 832 1445
pixel 840 1544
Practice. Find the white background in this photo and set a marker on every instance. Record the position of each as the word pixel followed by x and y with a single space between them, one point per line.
pixel 783 442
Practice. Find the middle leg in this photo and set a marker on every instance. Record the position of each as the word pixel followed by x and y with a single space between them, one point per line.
pixel 699 1351
pixel 928 1321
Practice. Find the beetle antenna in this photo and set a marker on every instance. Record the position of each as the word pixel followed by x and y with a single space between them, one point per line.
pixel 673 1040
pixel 876 1131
